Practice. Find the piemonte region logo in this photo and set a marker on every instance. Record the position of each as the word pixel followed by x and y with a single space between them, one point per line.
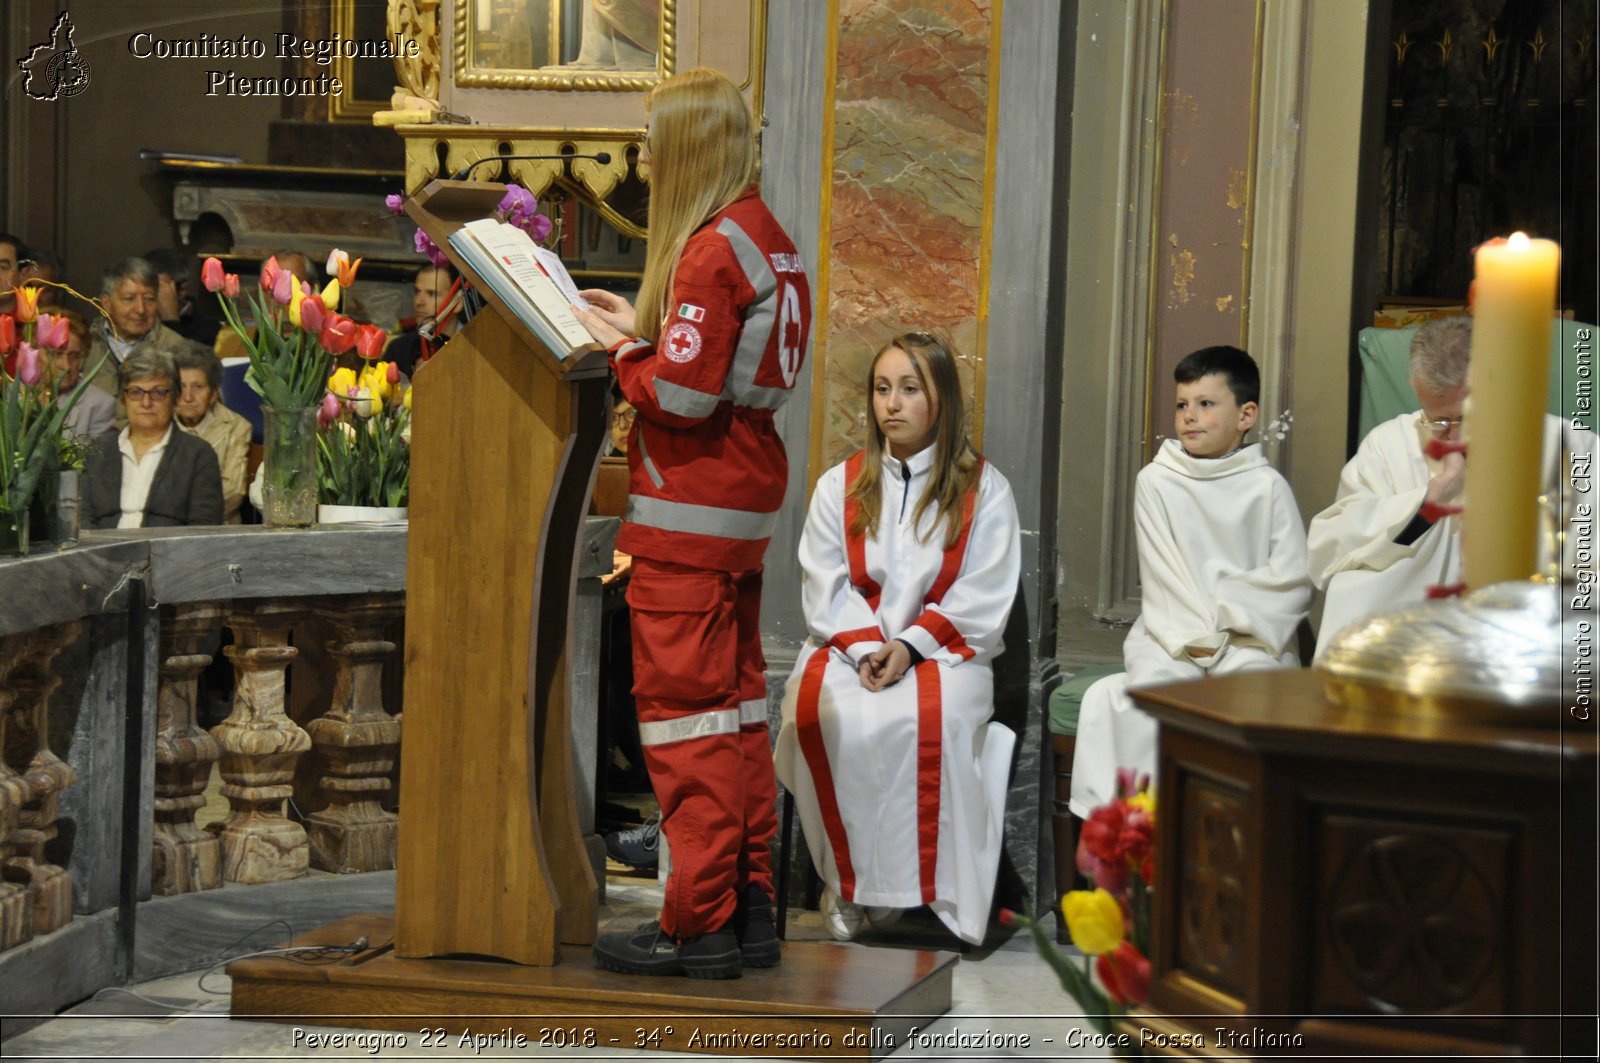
pixel 55 69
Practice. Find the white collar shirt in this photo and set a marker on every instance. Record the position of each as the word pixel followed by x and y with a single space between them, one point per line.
pixel 137 476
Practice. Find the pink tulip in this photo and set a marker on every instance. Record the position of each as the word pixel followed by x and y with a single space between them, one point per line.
pixel 28 364
pixel 392 374
pixel 230 285
pixel 51 332
pixel 369 341
pixel 8 333
pixel 338 333
pixel 283 288
pixel 312 313
pixel 211 274
pixel 328 412
pixel 269 274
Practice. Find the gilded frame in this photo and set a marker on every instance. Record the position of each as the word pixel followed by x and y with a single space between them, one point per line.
pixel 464 33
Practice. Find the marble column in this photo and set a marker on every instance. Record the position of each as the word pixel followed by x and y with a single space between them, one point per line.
pixel 357 740
pixel 260 745
pixel 26 751
pixel 185 858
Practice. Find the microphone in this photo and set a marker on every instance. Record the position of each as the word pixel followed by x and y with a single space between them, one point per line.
pixel 601 157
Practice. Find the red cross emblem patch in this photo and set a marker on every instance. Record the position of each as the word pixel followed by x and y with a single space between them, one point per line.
pixel 682 342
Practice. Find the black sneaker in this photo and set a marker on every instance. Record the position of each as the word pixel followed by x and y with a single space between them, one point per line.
pixel 638 847
pixel 649 951
pixel 753 926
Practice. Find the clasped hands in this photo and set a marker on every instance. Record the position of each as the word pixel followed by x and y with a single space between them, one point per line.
pixel 885 666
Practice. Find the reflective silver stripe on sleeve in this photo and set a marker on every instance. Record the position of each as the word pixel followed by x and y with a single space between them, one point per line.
pixel 700 725
pixel 760 318
pixel 701 520
pixel 685 402
pixel 753 711
pixel 649 466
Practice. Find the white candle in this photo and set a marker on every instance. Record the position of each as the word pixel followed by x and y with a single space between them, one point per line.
pixel 1514 298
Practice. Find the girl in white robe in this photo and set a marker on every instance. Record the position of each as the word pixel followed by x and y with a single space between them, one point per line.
pixel 885 716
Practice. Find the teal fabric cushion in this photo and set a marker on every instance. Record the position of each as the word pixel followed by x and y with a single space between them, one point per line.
pixel 1386 368
pixel 1066 699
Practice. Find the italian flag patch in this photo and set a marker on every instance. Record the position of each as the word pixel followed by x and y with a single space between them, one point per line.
pixel 690 312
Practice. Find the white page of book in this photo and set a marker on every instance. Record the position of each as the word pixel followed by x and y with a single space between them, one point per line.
pixel 512 251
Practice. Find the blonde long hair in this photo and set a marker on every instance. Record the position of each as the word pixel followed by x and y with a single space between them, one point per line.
pixel 956 464
pixel 702 156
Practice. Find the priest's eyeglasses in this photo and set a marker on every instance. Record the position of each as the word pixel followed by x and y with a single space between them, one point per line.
pixel 1442 427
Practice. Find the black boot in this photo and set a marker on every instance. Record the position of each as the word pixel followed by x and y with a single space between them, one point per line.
pixel 649 951
pixel 753 925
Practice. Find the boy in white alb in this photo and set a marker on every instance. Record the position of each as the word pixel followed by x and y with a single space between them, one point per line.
pixel 1222 568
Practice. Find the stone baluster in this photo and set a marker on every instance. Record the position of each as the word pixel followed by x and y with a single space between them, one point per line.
pixel 185 858
pixel 260 745
pixel 357 740
pixel 26 751
pixel 16 910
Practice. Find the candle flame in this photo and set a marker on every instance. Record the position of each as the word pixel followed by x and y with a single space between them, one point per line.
pixel 1518 241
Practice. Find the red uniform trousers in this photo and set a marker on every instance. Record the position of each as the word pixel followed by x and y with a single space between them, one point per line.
pixel 701 693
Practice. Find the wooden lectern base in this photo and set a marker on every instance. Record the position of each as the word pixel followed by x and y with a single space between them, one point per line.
pixel 825 1001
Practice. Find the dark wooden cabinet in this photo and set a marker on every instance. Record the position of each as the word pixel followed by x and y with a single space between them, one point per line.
pixel 1339 882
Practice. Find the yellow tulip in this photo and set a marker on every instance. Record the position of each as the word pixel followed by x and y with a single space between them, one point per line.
pixel 330 295
pixel 342 381
pixel 365 403
pixel 1094 920
pixel 1144 801
pixel 405 400
pixel 296 297
pixel 375 376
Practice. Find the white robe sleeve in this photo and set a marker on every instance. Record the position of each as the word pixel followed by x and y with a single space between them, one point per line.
pixel 1269 602
pixel 1173 605
pixel 970 619
pixel 831 602
pixel 1369 510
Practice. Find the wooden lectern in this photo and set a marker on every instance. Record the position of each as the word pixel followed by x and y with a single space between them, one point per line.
pixel 508 438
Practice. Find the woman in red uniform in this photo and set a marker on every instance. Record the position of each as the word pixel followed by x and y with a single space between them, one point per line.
pixel 711 352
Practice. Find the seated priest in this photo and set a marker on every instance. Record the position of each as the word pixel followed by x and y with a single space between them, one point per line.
pixel 150 474
pixel 200 412
pixel 1390 533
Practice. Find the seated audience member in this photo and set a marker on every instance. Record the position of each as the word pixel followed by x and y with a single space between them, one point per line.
pixel 128 292
pixel 13 253
pixel 1383 542
pixel 910 558
pixel 1222 568
pixel 174 303
pixel 95 412
pixel 150 474
pixel 200 411
pixel 44 265
pixel 417 344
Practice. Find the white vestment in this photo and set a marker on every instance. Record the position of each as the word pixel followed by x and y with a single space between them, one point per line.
pixel 1222 567
pixel 1351 547
pixel 900 807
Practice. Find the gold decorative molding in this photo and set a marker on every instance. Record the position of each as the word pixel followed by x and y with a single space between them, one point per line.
pixel 1401 45
pixel 1538 45
pixel 1446 45
pixel 558 79
pixel 1491 44
pixel 418 20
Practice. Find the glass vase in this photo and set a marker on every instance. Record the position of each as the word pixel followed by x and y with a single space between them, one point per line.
pixel 13 534
pixel 289 458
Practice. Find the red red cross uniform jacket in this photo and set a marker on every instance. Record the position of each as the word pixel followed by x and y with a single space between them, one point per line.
pixel 707 471
pixel 707 477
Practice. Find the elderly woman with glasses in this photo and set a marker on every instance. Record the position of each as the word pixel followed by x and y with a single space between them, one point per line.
pixel 150 474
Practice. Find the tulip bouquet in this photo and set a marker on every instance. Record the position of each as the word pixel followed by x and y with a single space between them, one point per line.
pixel 1110 924
pixel 364 446
pixel 32 412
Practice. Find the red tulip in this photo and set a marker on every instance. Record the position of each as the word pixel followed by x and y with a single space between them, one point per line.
pixel 211 274
pixel 269 274
pixel 230 285
pixel 51 332
pixel 312 313
pixel 338 333
pixel 1125 973
pixel 392 374
pixel 370 340
pixel 8 333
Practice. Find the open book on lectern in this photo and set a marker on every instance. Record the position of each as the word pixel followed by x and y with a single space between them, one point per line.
pixel 530 280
